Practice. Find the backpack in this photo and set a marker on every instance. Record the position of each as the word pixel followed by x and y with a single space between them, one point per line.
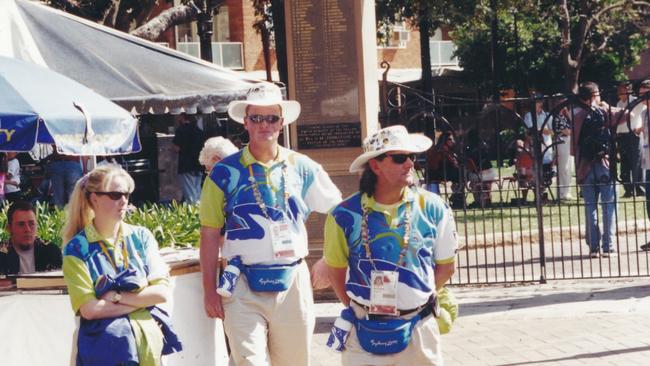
pixel 595 140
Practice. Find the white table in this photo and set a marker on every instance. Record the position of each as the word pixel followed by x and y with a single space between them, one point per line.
pixel 37 327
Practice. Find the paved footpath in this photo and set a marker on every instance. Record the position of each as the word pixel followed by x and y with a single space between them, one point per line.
pixel 585 322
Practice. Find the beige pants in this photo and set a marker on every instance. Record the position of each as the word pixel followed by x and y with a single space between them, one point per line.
pixel 424 348
pixel 271 328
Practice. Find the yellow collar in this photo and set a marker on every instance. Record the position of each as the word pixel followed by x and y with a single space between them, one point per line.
pixel 247 158
pixel 92 235
pixel 370 203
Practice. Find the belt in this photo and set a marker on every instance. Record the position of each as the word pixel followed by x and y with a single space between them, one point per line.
pixel 428 308
pixel 274 265
pixel 66 158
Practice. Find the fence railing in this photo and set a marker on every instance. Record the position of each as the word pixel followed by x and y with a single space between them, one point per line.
pixel 523 210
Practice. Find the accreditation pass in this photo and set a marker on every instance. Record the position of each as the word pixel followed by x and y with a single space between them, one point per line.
pixel 281 240
pixel 383 293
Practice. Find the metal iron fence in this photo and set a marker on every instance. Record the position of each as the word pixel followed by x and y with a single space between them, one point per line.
pixel 520 216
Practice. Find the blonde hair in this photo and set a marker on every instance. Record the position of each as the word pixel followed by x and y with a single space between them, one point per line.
pixel 218 146
pixel 79 211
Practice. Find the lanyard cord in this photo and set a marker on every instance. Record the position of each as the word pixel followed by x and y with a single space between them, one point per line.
pixel 125 256
pixel 258 195
pixel 365 234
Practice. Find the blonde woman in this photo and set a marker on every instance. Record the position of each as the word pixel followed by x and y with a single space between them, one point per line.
pixel 115 276
pixel 215 149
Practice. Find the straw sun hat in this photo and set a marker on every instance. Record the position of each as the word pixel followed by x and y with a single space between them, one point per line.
pixel 393 138
pixel 264 94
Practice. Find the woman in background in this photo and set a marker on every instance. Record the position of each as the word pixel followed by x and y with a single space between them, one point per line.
pixel 114 276
pixel 215 149
pixel 12 179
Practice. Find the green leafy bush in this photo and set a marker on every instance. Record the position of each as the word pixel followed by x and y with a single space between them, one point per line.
pixel 176 225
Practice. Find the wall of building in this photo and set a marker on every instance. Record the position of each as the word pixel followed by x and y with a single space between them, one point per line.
pixel 402 58
pixel 642 70
pixel 242 17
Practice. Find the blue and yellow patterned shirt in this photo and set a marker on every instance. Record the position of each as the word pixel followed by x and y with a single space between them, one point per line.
pixel 432 240
pixel 228 201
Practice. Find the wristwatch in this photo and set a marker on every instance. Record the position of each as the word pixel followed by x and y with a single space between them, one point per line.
pixel 117 296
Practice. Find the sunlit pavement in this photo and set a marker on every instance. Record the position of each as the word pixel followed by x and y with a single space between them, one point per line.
pixel 573 322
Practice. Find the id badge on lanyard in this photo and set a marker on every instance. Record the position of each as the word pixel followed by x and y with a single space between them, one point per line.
pixel 281 239
pixel 383 292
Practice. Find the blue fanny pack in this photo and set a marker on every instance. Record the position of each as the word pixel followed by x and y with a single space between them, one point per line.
pixel 385 337
pixel 271 277
pixel 382 337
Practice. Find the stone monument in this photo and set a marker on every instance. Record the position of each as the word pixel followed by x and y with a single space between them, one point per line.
pixel 332 62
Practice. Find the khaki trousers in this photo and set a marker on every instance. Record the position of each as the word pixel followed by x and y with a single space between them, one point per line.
pixel 271 328
pixel 424 348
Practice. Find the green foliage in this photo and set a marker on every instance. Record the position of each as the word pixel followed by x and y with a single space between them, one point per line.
pixel 532 56
pixel 436 12
pixel 526 58
pixel 50 223
pixel 176 225
pixel 263 15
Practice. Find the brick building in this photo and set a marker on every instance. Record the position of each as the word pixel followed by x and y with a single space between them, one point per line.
pixel 237 45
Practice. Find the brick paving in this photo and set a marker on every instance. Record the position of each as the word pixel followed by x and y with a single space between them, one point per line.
pixel 585 322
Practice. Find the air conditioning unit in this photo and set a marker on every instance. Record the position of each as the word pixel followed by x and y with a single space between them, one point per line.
pixel 401 35
pixel 191 48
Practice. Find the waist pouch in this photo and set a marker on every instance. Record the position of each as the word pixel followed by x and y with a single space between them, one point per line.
pixel 382 337
pixel 270 277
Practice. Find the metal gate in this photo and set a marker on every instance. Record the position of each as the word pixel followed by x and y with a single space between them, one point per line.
pixel 516 221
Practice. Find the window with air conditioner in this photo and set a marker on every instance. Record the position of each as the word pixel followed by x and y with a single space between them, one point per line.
pixel 395 35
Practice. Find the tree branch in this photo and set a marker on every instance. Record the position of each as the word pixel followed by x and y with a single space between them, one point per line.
pixel 179 14
pixel 565 27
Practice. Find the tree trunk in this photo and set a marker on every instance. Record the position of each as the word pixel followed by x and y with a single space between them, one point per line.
pixel 425 52
pixel 180 14
pixel 572 73
pixel 266 49
pixel 277 9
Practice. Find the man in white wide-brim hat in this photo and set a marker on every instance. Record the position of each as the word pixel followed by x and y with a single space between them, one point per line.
pixel 390 248
pixel 260 197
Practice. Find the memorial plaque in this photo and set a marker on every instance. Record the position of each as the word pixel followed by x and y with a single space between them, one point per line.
pixel 329 135
pixel 325 72
pixel 332 64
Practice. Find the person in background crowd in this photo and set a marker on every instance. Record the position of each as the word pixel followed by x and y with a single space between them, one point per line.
pixel 443 166
pixel 188 141
pixel 64 171
pixel 214 150
pixel 546 140
pixel 12 180
pixel 628 145
pixel 562 129
pixel 524 171
pixel 260 197
pixel 642 111
pixel 25 252
pixel 480 172
pixel 114 275
pixel 390 248
pixel 3 175
pixel 593 173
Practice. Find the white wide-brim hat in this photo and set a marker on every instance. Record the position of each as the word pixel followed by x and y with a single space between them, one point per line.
pixel 393 138
pixel 264 94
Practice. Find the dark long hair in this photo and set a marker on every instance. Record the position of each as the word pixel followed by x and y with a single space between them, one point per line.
pixel 368 181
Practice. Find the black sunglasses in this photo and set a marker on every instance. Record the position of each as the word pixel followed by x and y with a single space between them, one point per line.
pixel 114 195
pixel 399 158
pixel 259 118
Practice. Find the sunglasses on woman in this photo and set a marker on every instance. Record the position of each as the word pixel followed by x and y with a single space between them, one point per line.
pixel 259 118
pixel 399 158
pixel 114 195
